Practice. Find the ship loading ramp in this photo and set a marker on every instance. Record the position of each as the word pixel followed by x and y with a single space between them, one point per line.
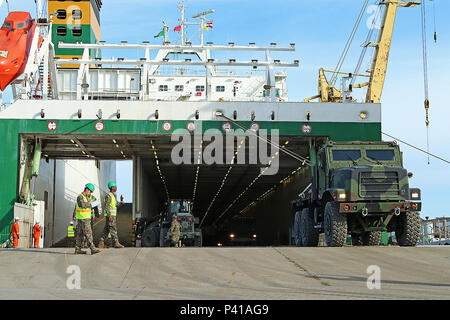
pixel 220 191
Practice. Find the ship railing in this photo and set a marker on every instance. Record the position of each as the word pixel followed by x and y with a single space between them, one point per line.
pixel 210 65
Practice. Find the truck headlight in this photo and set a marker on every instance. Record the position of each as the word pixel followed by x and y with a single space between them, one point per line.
pixel 415 194
pixel 339 195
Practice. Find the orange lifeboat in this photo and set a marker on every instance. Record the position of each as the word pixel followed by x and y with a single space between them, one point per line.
pixel 16 37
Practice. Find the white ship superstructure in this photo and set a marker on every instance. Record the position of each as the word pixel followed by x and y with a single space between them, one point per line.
pixel 176 73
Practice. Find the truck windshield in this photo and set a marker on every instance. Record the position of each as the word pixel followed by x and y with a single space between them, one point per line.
pixel 346 155
pixel 177 206
pixel 381 155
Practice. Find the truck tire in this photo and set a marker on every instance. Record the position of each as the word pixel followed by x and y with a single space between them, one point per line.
pixel 371 238
pixel 308 234
pixel 150 238
pixel 162 238
pixel 408 229
pixel 335 225
pixel 296 229
pixel 357 240
pixel 198 241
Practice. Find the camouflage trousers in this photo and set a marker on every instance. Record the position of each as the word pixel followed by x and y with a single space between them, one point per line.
pixel 175 239
pixel 84 232
pixel 110 228
pixel 70 242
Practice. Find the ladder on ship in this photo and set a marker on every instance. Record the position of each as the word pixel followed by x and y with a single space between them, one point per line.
pixel 40 84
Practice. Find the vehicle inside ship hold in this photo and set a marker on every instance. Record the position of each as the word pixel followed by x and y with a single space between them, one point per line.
pixel 174 135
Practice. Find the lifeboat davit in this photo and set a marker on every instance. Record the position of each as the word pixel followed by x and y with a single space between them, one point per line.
pixel 16 37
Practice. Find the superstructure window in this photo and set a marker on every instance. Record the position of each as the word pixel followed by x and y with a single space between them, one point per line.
pixel 163 87
pixel 21 25
pixel 61 31
pixel 346 155
pixel 77 32
pixel 381 155
pixel 200 88
pixel 61 14
pixel 7 25
pixel 77 14
pixel 220 89
pixel 179 88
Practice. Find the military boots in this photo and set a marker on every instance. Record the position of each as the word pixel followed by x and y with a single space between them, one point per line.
pixel 101 244
pixel 79 251
pixel 118 245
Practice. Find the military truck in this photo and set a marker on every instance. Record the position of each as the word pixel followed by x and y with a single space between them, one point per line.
pixel 359 189
pixel 156 232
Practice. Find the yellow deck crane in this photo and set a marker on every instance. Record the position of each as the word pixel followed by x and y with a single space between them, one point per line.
pixel 377 74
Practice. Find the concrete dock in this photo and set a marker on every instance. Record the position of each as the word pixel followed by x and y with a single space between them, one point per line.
pixel 279 273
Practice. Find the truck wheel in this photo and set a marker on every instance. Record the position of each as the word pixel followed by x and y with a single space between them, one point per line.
pixel 198 241
pixel 296 229
pixel 335 225
pixel 150 238
pixel 371 238
pixel 308 234
pixel 356 240
pixel 408 229
pixel 162 238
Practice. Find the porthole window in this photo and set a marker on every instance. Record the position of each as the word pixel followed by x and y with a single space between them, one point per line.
pixel 77 14
pixel 61 31
pixel 77 32
pixel 61 14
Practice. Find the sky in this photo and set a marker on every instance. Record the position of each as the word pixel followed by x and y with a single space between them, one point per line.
pixel 320 30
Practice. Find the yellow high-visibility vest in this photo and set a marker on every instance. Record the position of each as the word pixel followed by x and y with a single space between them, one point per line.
pixel 83 213
pixel 112 205
pixel 70 232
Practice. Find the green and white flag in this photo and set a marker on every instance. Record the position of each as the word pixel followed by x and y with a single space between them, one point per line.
pixel 161 34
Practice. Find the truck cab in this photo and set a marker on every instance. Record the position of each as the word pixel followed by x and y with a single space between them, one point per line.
pixel 156 233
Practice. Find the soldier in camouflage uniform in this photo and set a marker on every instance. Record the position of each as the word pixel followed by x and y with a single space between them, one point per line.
pixel 111 218
pixel 94 214
pixel 175 231
pixel 83 215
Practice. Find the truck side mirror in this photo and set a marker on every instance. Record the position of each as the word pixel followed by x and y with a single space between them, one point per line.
pixel 410 175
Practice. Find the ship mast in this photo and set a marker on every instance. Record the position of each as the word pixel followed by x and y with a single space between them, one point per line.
pixel 182 7
pixel 183 23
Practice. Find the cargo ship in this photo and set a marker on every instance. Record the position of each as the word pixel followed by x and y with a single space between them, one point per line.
pixel 97 109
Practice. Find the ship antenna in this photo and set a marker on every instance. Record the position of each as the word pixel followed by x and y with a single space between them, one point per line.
pixel 182 6
pixel 166 32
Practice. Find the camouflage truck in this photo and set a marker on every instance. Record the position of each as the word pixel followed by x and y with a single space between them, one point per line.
pixel 358 189
pixel 155 233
